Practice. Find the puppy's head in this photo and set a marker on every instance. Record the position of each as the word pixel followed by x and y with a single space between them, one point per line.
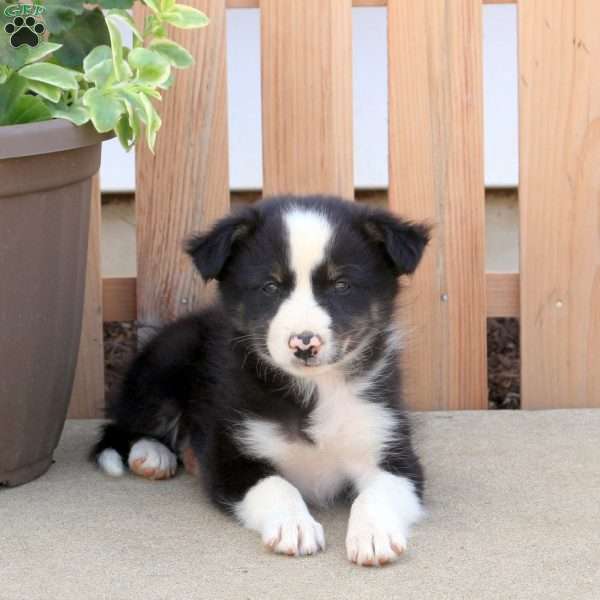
pixel 308 280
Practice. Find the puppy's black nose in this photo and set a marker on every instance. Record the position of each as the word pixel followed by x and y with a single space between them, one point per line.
pixel 306 344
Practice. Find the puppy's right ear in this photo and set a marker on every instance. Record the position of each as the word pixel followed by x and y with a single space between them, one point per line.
pixel 210 251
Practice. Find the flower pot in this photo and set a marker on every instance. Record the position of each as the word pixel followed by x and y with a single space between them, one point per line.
pixel 45 184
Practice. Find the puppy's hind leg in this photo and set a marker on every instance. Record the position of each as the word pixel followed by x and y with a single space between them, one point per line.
pixel 150 459
pixel 145 456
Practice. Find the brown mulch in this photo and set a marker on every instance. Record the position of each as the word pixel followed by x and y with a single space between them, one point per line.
pixel 504 375
pixel 120 342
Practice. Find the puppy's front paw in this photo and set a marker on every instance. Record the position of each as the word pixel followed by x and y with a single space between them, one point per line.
pixel 275 509
pixel 293 535
pixel 370 543
pixel 380 519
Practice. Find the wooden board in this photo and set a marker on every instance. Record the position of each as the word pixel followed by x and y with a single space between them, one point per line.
pixel 87 397
pixel 358 3
pixel 559 200
pixel 119 298
pixel 257 3
pixel 306 48
pixel 184 186
pixel 436 174
pixel 502 293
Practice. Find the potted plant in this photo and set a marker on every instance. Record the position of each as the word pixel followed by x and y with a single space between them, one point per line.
pixel 66 83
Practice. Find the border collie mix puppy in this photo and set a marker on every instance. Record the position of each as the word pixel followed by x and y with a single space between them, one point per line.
pixel 287 389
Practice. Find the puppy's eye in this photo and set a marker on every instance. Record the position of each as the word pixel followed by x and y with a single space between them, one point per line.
pixel 341 286
pixel 270 288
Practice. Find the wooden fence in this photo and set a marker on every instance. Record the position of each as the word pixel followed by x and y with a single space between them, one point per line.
pixel 435 172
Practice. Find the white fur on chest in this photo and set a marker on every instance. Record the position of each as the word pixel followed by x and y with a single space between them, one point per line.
pixel 349 433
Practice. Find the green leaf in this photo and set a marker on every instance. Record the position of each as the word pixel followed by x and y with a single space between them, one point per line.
pixel 116 44
pixel 75 113
pixel 102 74
pixel 168 83
pixel 13 58
pixel 28 109
pixel 115 3
pixel 151 67
pixel 105 109
pixel 185 17
pixel 96 56
pixel 177 55
pixel 135 113
pixel 135 120
pixel 52 74
pixel 125 132
pixel 149 91
pixel 50 92
pixel 10 92
pixel 139 108
pixel 40 51
pixel 124 17
pixel 60 15
pixel 155 27
pixel 153 122
pixel 88 31
pixel 152 5
pixel 98 66
pixel 4 74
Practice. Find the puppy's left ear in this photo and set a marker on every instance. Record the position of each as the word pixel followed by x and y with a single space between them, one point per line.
pixel 402 241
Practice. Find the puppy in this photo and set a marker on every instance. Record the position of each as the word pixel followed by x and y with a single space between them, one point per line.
pixel 287 390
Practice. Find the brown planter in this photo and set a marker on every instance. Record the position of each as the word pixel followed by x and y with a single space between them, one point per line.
pixel 45 184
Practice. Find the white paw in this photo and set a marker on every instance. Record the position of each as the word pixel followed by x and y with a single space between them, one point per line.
pixel 275 509
pixel 152 460
pixel 293 535
pixel 380 519
pixel 110 462
pixel 370 543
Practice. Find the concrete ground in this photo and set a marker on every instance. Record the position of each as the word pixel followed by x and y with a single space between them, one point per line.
pixel 514 513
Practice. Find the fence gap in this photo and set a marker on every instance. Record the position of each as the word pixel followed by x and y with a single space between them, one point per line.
pixel 370 97
pixel 244 99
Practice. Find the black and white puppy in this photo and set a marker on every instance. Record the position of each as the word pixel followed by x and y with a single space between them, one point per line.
pixel 287 390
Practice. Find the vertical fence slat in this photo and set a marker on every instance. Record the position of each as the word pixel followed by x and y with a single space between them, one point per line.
pixel 184 186
pixel 436 173
pixel 559 198
pixel 87 397
pixel 306 50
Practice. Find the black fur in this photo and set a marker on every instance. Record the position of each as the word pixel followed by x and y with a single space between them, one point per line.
pixel 198 378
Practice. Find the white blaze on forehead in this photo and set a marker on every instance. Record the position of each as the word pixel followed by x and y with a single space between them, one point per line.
pixel 308 236
pixel 309 233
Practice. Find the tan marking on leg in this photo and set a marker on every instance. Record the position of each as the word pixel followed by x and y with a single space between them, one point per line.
pixel 153 474
pixel 397 548
pixel 190 462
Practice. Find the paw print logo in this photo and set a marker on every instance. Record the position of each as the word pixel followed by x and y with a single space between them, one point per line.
pixel 24 31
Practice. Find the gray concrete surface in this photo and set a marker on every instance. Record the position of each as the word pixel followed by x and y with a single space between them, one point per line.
pixel 513 501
